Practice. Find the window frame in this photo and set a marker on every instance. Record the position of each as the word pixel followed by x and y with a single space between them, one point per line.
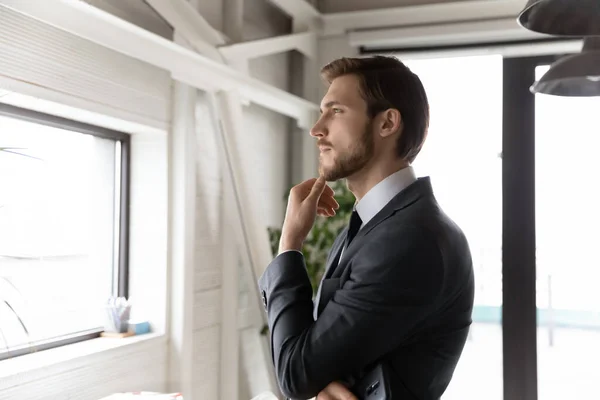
pixel 122 268
pixel 519 311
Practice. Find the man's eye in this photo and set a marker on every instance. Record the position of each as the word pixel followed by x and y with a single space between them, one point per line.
pixel 337 110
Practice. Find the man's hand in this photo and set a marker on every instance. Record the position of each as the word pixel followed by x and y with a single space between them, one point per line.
pixel 306 200
pixel 336 391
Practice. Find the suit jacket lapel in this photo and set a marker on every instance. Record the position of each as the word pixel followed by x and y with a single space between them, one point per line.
pixel 402 200
pixel 332 261
pixel 334 256
pixel 422 187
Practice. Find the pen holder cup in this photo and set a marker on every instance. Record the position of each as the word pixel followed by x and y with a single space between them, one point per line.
pixel 114 322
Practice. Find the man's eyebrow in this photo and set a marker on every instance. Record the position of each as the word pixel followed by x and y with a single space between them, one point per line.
pixel 329 104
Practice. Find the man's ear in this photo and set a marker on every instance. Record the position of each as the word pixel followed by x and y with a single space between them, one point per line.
pixel 390 122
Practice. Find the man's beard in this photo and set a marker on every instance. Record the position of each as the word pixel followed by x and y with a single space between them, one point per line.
pixel 353 160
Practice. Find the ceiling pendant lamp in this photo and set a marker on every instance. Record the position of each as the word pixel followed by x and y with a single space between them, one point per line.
pixel 574 76
pixel 562 17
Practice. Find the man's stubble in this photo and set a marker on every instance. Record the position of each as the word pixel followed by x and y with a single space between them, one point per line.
pixel 353 160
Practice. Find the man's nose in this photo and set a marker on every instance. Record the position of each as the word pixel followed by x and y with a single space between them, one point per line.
pixel 318 130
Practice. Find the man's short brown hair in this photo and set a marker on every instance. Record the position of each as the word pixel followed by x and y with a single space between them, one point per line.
pixel 385 82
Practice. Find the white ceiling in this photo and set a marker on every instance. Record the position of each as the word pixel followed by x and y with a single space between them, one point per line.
pixel 367 24
pixel 137 12
pixel 330 6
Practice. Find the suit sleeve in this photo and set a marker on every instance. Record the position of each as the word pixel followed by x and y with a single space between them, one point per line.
pixel 394 285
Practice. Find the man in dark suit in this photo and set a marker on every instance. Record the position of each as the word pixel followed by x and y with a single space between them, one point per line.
pixel 399 284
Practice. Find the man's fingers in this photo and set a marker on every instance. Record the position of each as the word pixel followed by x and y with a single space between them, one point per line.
pixel 327 208
pixel 300 190
pixel 325 212
pixel 337 391
pixel 324 396
pixel 317 189
pixel 309 185
pixel 329 201
pixel 323 209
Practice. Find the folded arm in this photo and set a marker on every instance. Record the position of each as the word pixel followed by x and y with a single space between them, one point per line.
pixel 393 286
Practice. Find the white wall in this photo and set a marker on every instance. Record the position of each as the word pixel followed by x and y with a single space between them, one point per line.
pixel 208 276
pixel 264 161
pixel 331 48
pixel 102 87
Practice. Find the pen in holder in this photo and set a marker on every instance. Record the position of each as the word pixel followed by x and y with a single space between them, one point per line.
pixel 117 315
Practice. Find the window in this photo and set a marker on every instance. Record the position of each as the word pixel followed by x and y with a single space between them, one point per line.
pixel 567 217
pixel 462 155
pixel 63 228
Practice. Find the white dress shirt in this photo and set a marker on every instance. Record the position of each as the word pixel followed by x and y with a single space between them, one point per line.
pixel 381 194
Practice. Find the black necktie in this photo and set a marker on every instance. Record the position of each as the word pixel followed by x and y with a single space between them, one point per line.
pixel 353 227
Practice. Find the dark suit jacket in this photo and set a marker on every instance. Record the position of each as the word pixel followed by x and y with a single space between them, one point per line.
pixel 402 292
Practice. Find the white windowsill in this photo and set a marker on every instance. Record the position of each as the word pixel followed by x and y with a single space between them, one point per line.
pixel 26 368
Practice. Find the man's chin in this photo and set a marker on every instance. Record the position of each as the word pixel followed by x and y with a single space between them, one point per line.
pixel 329 175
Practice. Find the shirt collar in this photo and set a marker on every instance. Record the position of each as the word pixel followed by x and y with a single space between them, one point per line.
pixel 383 192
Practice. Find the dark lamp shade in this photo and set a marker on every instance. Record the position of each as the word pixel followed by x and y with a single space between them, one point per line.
pixel 562 17
pixel 575 75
